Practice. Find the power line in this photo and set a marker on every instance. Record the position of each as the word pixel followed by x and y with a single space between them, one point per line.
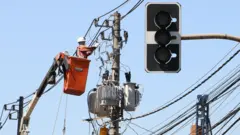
pixel 113 9
pixel 223 100
pixel 141 127
pixel 29 95
pixel 131 10
pixel 26 103
pixel 176 119
pixel 97 34
pixel 231 126
pixel 1 114
pixel 55 122
pixel 221 128
pixel 178 99
pixel 232 84
pixel 133 130
pixel 11 103
pixel 226 80
pixel 184 125
pixel 172 116
pixel 222 89
pixel 207 73
pixel 175 125
pixel 58 81
pixel 182 115
pixel 232 73
pixel 2 125
pixel 105 15
pixel 235 129
pixel 231 113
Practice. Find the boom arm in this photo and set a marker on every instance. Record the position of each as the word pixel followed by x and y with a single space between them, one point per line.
pixel 60 60
pixel 51 72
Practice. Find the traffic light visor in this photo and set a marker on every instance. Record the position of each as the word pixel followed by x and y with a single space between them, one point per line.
pixel 163 19
pixel 163 55
pixel 163 37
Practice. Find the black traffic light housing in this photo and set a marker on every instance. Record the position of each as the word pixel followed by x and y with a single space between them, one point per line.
pixel 163 37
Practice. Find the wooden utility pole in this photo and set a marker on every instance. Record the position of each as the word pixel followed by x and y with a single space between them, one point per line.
pixel 114 128
pixel 20 114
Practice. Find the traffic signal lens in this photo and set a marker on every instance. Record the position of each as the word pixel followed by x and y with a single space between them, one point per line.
pixel 163 55
pixel 163 37
pixel 163 19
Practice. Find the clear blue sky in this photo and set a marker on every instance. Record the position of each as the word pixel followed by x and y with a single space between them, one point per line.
pixel 33 32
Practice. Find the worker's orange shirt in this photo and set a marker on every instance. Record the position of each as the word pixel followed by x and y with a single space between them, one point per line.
pixel 84 51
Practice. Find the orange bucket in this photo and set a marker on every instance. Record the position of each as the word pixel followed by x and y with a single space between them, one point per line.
pixel 75 77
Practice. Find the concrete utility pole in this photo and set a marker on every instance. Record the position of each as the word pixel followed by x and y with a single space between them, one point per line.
pixel 114 128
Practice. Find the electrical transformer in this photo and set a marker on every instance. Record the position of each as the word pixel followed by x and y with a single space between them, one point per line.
pixel 131 96
pixel 102 99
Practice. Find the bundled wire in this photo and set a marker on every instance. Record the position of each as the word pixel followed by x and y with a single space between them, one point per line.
pixel 105 15
pixel 124 16
pixel 231 126
pixel 228 89
pixel 178 123
pixel 189 92
pixel 229 115
pixel 232 72
pixel 98 32
pixel 133 8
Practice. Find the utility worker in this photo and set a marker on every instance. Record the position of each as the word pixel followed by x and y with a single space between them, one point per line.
pixel 82 50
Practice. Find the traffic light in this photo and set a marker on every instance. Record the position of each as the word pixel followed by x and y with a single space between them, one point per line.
pixel 163 37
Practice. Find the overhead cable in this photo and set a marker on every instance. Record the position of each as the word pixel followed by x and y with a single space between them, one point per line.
pixel 50 88
pixel 221 128
pixel 97 34
pixel 105 15
pixel 131 10
pixel 231 126
pixel 55 122
pixel 175 125
pixel 141 127
pixel 220 95
pixel 231 113
pixel 221 60
pixel 5 121
pixel 192 108
pixel 189 92
pixel 231 73
pixel 133 130
pixel 1 114
pixel 184 125
pixel 113 9
pixel 231 85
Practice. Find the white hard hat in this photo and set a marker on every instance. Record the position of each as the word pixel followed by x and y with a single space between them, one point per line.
pixel 81 39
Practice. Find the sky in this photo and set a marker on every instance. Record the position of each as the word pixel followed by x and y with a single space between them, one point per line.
pixel 32 33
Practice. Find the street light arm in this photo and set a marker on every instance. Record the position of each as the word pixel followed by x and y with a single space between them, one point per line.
pixel 210 36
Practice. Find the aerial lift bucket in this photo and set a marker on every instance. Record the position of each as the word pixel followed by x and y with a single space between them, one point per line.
pixel 75 76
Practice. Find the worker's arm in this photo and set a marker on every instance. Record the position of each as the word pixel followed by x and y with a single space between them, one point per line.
pixel 84 51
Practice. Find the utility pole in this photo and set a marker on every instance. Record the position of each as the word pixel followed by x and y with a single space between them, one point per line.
pixel 203 116
pixel 20 114
pixel 114 128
